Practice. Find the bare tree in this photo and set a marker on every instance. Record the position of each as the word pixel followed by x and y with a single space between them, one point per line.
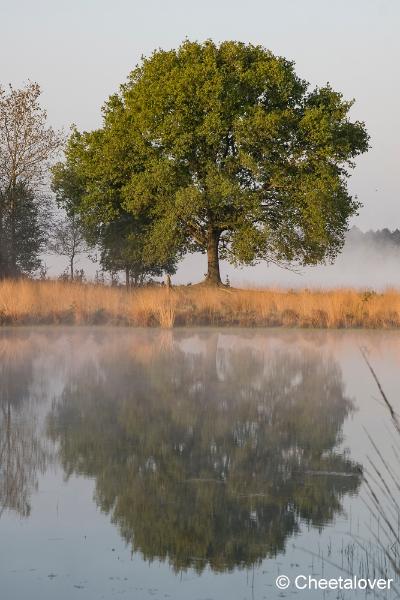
pixel 68 240
pixel 27 148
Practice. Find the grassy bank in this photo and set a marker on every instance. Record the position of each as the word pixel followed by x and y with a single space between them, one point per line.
pixel 54 302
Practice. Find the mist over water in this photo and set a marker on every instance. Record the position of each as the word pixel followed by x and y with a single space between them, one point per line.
pixel 185 464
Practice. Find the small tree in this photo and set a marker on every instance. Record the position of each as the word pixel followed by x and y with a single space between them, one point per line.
pixel 122 245
pixel 69 237
pixel 27 147
pixel 68 240
pixel 121 237
pixel 23 232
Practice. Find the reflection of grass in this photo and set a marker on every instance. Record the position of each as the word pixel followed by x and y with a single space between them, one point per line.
pixel 375 552
pixel 381 555
pixel 50 302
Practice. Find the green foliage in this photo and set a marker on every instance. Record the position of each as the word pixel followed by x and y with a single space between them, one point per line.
pixel 222 149
pixel 225 148
pixel 23 233
pixel 67 186
pixel 86 184
pixel 122 247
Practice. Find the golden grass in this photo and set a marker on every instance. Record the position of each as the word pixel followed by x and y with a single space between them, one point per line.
pixel 55 302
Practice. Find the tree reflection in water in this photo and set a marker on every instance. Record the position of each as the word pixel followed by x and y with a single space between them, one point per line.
pixel 22 454
pixel 209 458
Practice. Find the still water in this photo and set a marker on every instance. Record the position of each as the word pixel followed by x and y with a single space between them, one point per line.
pixel 191 465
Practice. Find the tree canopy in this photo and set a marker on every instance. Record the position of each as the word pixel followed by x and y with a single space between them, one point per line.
pixel 23 231
pixel 120 236
pixel 27 147
pixel 223 149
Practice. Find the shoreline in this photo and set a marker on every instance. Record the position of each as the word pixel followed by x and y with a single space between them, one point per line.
pixel 33 302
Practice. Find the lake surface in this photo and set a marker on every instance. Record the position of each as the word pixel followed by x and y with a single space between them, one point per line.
pixel 191 465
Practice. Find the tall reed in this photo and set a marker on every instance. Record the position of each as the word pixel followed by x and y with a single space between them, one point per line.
pixel 52 302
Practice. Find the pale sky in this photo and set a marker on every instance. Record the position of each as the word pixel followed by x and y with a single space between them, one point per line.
pixel 81 50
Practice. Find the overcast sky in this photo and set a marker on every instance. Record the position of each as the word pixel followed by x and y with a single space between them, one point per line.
pixel 81 50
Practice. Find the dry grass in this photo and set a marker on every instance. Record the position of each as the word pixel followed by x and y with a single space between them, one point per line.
pixel 53 302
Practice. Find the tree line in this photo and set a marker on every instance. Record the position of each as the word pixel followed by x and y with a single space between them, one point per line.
pixel 378 239
pixel 220 149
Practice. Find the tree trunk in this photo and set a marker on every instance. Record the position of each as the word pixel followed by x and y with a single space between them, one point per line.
pixel 127 278
pixel 13 254
pixel 71 267
pixel 213 275
pixel 2 246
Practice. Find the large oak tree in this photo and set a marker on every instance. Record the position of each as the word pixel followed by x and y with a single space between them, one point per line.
pixel 228 152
